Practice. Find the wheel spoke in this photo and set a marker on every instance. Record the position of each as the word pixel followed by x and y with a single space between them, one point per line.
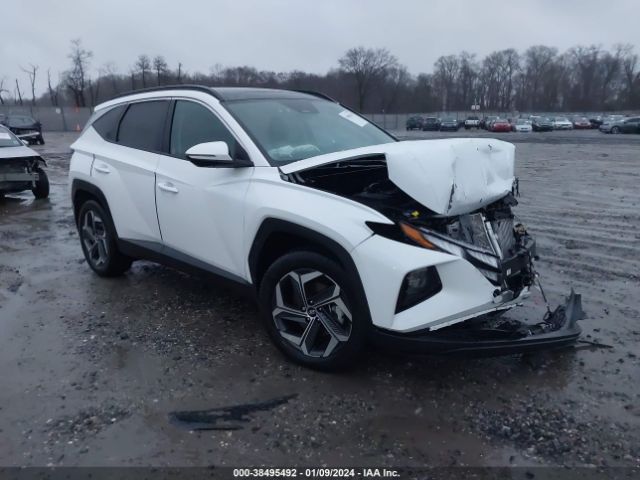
pixel 325 296
pixel 309 336
pixel 332 327
pixel 280 302
pixel 88 233
pixel 102 254
pixel 297 281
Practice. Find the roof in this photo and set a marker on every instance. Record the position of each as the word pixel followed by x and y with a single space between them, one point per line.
pixel 233 93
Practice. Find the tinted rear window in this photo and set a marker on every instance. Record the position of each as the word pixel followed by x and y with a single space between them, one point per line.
pixel 107 124
pixel 143 124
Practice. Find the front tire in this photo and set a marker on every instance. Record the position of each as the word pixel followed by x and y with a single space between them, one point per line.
pixel 41 190
pixel 313 312
pixel 99 241
pixel 615 130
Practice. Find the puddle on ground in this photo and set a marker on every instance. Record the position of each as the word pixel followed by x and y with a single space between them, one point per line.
pixel 225 418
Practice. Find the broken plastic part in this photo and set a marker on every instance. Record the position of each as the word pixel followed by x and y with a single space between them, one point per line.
pixel 493 336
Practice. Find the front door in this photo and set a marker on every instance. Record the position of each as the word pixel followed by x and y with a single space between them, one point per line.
pixel 201 209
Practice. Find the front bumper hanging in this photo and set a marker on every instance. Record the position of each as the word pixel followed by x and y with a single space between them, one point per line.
pixel 493 336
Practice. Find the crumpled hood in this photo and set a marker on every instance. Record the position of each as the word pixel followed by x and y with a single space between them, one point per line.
pixel 449 176
pixel 17 152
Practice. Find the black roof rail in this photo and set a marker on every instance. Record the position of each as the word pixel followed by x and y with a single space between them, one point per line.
pixel 317 94
pixel 162 88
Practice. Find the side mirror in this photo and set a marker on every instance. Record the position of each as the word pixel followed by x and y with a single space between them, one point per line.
pixel 210 153
pixel 216 154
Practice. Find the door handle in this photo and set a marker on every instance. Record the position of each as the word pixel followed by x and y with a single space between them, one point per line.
pixel 102 168
pixel 168 187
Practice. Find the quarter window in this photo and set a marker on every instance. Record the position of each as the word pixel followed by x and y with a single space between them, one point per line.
pixel 107 124
pixel 193 124
pixel 142 125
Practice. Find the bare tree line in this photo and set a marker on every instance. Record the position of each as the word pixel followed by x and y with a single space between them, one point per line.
pixel 583 78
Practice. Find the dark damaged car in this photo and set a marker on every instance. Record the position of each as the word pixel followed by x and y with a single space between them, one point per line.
pixel 20 167
pixel 25 127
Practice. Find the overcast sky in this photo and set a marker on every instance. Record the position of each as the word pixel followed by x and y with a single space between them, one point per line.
pixel 283 35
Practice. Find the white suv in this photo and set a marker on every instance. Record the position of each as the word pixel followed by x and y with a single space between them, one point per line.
pixel 343 233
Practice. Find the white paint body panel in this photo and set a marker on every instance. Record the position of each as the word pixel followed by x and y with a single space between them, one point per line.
pixel 17 152
pixel 201 211
pixel 127 178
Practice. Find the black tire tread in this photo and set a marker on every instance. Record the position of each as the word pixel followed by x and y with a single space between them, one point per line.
pixel 118 263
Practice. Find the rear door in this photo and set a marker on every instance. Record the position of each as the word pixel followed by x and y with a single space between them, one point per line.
pixel 201 208
pixel 124 166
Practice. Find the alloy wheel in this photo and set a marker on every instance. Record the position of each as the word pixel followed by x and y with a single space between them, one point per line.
pixel 94 238
pixel 310 312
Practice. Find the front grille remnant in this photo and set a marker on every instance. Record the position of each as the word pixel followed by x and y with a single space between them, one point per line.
pixel 503 229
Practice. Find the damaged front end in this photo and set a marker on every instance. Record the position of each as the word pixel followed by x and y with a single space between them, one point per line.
pixel 19 173
pixel 440 206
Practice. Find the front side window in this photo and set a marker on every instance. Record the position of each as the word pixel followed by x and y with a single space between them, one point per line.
pixel 288 130
pixel 142 125
pixel 193 124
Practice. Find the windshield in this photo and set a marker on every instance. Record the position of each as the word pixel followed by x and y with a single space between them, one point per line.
pixel 561 119
pixel 523 121
pixel 7 139
pixel 20 121
pixel 288 130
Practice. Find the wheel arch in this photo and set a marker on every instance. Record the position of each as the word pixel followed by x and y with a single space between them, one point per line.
pixel 81 191
pixel 276 237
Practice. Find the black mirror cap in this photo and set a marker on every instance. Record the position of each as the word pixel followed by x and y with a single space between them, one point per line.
pixel 241 158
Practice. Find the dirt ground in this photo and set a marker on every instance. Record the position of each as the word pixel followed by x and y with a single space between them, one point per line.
pixel 93 370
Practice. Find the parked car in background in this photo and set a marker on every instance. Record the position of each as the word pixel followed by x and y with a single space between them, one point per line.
pixel 522 125
pixel 630 125
pixel 542 124
pixel 449 124
pixel 20 167
pixel 596 121
pixel 415 122
pixel 612 124
pixel 25 127
pixel 472 122
pixel 431 124
pixel 581 123
pixel 562 123
pixel 500 125
pixel 486 122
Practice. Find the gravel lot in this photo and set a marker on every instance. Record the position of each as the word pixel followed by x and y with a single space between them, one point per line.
pixel 94 370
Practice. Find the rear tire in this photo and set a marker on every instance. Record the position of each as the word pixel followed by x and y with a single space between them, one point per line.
pixel 99 241
pixel 41 190
pixel 313 312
